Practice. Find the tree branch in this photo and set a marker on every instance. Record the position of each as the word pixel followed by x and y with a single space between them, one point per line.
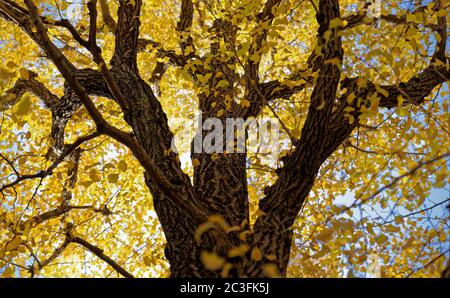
pixel 92 7
pixel 127 34
pixel 415 90
pixel 45 173
pixel 285 198
pixel 264 20
pixel 100 254
pixel 27 85
pixel 183 26
pixel 362 18
pixel 56 253
pixel 106 15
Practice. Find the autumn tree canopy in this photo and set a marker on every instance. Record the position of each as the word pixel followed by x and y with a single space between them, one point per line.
pixel 93 93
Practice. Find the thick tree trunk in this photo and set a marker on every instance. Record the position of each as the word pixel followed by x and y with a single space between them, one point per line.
pixel 220 184
pixel 149 124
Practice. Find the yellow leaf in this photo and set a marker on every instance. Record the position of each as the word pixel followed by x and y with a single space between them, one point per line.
pixel 374 104
pixel 147 261
pixel 226 270
pixel 245 103
pixel 12 245
pixel 25 74
pixel 24 106
pixel 113 178
pixel 400 100
pixel 335 61
pixel 256 254
pixel 421 18
pixel 243 235
pixel 63 5
pixel 188 50
pixel 380 90
pixel 351 97
pixel 219 220
pixel 11 65
pixel 336 22
pixel 361 83
pixel 238 251
pixel 255 57
pixel 222 84
pixel 381 239
pixel 95 177
pixel 410 18
pixel 195 162
pixel 202 229
pixel 122 165
pixel 271 270
pixel 5 75
pixel 398 220
pixel 442 13
pixel 212 261
pixel 233 229
pixel 325 235
pixel 321 105
pixel 8 272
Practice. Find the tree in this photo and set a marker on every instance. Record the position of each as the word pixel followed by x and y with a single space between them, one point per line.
pixel 360 94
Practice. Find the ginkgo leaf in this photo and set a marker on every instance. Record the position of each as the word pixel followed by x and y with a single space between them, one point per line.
pixel 336 22
pixel 220 113
pixel 321 105
pixel 95 177
pixel 113 178
pixel 271 270
pixel 256 254
pixel 226 270
pixel 219 220
pixel 410 18
pixel 122 165
pixel 188 50
pixel 381 239
pixel 238 251
pixel 147 261
pixel 11 65
pixel 195 162
pixel 5 74
pixel 211 260
pixel 442 13
pixel 222 84
pixel 245 103
pixel 325 235
pixel 13 244
pixel 24 106
pixel 335 61
pixel 25 74
pixel 8 272
pixel 204 227
pixel 382 91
